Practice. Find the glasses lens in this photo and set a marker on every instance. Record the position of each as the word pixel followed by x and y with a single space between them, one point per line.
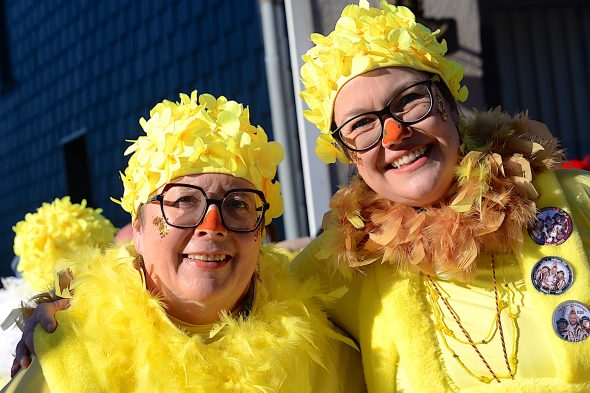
pixel 184 206
pixel 412 104
pixel 361 132
pixel 242 210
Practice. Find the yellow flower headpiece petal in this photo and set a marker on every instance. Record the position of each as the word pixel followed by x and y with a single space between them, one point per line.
pixel 53 232
pixel 363 40
pixel 200 134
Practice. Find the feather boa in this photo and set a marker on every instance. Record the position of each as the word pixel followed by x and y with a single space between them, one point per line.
pixel 486 210
pixel 135 348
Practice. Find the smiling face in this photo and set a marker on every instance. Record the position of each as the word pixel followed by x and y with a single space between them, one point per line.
pixel 198 271
pixel 573 318
pixel 415 168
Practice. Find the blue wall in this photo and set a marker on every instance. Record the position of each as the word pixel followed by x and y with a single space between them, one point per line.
pixel 101 65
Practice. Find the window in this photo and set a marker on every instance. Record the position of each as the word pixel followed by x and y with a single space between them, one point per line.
pixel 77 167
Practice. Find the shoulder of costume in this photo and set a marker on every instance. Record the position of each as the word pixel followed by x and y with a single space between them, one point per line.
pixel 495 131
pixel 281 283
pixel 71 271
pixel 573 178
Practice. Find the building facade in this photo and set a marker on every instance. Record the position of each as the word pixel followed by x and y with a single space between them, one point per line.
pixel 77 76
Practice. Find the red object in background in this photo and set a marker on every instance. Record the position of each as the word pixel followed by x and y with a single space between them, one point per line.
pixel 577 164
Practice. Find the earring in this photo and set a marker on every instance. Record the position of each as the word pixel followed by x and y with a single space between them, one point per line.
pixel 248 302
pixel 440 105
pixel 140 267
pixel 257 233
pixel 160 224
pixel 138 262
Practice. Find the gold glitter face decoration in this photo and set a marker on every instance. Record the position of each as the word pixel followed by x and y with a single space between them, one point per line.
pixel 161 226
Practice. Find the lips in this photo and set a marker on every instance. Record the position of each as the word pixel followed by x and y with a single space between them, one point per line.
pixel 409 157
pixel 207 257
pixel 206 261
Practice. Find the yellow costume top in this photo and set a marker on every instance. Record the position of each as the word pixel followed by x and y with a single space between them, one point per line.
pixel 116 337
pixel 409 338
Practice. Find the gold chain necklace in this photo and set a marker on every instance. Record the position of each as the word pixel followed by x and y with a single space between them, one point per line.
pixel 435 293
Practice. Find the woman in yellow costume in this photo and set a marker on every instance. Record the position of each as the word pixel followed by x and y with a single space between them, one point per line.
pixel 197 303
pixel 431 237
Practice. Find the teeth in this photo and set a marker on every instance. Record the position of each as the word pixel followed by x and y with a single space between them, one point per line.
pixel 410 157
pixel 207 257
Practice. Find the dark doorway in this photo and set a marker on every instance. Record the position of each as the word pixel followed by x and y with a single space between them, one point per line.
pixel 77 167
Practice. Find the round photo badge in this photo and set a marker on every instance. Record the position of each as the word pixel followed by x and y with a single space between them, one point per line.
pixel 571 321
pixel 552 226
pixel 552 275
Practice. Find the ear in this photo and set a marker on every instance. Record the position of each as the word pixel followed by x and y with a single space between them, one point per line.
pixel 137 235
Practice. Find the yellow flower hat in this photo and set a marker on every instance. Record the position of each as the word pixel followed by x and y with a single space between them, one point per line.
pixel 200 134
pixel 363 40
pixel 53 232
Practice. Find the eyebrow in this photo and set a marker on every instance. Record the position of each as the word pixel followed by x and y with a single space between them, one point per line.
pixel 354 112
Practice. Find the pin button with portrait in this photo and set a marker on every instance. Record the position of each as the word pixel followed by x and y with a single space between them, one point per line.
pixel 552 275
pixel 571 321
pixel 552 226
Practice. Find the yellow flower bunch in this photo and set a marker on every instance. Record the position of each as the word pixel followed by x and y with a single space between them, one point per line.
pixel 200 134
pixel 363 40
pixel 52 233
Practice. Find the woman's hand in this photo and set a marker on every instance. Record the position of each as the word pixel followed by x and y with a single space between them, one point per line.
pixel 45 315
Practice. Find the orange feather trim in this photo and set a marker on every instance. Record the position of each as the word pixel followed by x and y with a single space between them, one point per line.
pixel 485 212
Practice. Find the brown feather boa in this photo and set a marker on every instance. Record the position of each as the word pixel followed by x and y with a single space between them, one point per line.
pixel 486 210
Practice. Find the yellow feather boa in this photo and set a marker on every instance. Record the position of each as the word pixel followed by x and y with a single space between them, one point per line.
pixel 116 336
pixel 485 212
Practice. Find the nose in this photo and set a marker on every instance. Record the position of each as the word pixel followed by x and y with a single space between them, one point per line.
pixel 394 132
pixel 211 224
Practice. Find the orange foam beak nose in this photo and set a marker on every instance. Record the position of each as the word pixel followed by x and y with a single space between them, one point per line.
pixel 393 131
pixel 212 221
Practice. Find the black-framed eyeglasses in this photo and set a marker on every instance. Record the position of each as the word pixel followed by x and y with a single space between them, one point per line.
pixel 410 106
pixel 185 206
